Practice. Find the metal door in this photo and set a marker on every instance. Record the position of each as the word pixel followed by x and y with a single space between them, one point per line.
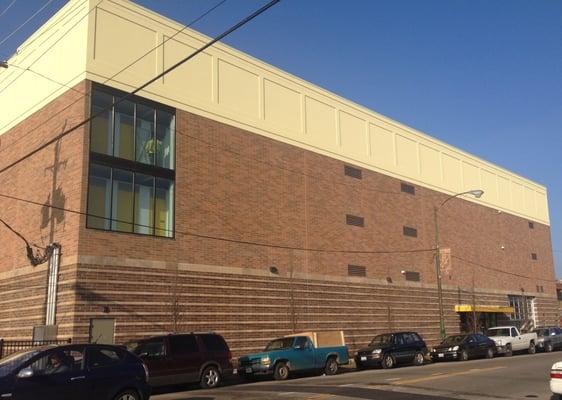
pixel 102 330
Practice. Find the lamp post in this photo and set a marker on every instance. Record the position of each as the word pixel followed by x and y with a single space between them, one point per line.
pixel 476 193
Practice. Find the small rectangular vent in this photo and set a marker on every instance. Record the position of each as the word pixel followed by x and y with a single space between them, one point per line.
pixel 356 270
pixel 531 225
pixel 533 256
pixel 354 220
pixel 412 276
pixel 353 172
pixel 410 189
pixel 409 231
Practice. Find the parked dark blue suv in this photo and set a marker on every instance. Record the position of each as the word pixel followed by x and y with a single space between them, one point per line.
pixel 88 372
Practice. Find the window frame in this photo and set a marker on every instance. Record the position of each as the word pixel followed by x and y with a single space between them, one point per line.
pixel 132 166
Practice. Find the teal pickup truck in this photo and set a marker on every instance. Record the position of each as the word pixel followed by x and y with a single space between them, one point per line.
pixel 320 351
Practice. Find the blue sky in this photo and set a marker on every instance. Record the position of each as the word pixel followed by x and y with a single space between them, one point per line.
pixel 484 76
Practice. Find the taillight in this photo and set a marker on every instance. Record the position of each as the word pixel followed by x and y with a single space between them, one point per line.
pixel 145 371
pixel 556 375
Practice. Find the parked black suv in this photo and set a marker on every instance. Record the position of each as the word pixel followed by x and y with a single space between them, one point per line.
pixel 390 349
pixel 186 358
pixel 81 371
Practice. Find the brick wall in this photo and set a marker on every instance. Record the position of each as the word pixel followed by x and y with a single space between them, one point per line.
pixel 245 203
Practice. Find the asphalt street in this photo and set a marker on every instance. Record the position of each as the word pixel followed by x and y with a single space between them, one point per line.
pixel 518 377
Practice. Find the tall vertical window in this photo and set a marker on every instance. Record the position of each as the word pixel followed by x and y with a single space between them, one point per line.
pixel 131 179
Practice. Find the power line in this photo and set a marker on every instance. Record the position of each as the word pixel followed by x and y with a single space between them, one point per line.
pixel 25 22
pixel 500 271
pixel 218 38
pixel 7 8
pixel 53 25
pixel 44 77
pixel 105 81
pixel 48 49
pixel 222 239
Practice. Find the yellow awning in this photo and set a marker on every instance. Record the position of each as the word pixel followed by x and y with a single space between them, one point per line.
pixel 478 308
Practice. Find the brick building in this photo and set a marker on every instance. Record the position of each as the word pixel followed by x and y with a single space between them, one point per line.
pixel 231 196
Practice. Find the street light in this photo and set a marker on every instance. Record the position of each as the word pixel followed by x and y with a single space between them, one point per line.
pixel 476 193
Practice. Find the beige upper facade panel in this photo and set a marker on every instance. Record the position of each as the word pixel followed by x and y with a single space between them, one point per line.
pixel 47 64
pixel 229 86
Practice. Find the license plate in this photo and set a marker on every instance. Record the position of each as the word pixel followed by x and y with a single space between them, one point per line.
pixel 248 370
pixel 363 358
pixel 440 355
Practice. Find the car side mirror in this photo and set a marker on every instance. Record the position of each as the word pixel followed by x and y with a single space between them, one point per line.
pixel 25 373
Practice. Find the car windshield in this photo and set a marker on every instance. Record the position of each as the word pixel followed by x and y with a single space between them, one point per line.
pixel 454 339
pixel 277 344
pixel 499 332
pixel 381 340
pixel 11 362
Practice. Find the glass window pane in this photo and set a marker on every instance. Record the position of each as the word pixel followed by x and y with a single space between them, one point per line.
pixel 165 139
pixel 124 145
pixel 164 207
pixel 101 128
pixel 99 197
pixel 144 204
pixel 122 202
pixel 145 142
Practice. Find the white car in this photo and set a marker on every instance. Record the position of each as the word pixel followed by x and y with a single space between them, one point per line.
pixel 556 378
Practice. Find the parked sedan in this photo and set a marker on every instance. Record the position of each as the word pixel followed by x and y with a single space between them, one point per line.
pixel 549 338
pixel 463 347
pixel 390 349
pixel 88 372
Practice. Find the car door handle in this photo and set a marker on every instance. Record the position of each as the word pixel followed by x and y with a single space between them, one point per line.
pixel 77 378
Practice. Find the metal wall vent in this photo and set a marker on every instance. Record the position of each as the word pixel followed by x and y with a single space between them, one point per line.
pixel 356 270
pixel 409 231
pixel 406 188
pixel 354 220
pixel 353 172
pixel 412 276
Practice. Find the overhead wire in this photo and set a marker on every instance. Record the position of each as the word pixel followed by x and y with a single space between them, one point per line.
pixel 25 22
pixel 144 85
pixel 191 23
pixel 219 238
pixel 4 11
pixel 47 50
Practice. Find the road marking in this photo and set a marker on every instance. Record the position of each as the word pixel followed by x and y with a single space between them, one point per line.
pixel 432 377
pixel 347 385
pixel 392 379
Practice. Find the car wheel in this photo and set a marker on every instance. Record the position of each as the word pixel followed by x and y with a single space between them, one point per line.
pixel 331 367
pixel 548 347
pixel 463 355
pixel 281 371
pixel 418 359
pixel 532 348
pixel 508 351
pixel 387 361
pixel 127 395
pixel 210 378
pixel 490 353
